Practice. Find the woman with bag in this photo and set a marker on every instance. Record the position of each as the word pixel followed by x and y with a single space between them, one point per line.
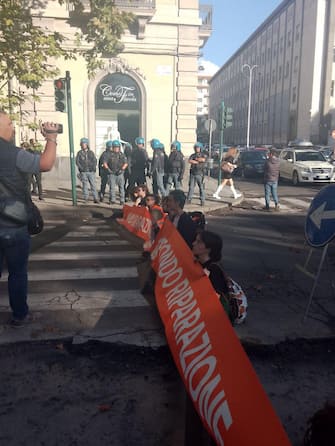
pixel 206 249
pixel 227 168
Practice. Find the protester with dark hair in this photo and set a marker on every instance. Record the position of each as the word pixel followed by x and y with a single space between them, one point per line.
pixel 183 222
pixel 321 427
pixel 207 248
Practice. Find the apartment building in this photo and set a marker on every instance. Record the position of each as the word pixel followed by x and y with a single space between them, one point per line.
pixel 288 63
pixel 149 90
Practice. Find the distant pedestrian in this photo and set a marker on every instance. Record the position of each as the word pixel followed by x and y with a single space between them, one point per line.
pixel 36 178
pixel 197 172
pixel 87 164
pixel 175 166
pixel 116 163
pixel 227 168
pixel 271 176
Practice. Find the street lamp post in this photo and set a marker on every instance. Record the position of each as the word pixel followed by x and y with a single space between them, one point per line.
pixel 250 68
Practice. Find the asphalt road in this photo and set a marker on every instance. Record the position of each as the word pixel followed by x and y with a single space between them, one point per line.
pixel 56 393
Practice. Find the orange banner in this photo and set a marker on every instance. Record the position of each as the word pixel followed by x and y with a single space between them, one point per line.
pixel 137 219
pixel 215 369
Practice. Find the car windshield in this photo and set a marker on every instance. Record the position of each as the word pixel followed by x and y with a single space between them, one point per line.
pixel 254 156
pixel 309 156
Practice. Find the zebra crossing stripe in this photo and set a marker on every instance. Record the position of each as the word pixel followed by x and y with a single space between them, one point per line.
pixel 84 273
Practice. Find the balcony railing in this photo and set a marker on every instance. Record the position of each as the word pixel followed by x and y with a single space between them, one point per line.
pixel 130 5
pixel 206 13
pixel 136 4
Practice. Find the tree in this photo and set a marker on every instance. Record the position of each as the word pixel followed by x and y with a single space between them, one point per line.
pixel 26 49
pixel 101 28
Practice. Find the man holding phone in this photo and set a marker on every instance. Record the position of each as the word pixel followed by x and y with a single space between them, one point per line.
pixel 15 167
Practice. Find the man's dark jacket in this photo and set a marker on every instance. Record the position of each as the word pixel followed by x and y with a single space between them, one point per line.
pixel 271 169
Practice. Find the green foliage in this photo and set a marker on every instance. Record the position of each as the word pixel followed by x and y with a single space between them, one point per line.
pixel 25 50
pixel 101 29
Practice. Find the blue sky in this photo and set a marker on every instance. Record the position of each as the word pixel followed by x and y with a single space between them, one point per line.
pixel 233 22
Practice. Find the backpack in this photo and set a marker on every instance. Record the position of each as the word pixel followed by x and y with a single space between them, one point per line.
pixel 235 302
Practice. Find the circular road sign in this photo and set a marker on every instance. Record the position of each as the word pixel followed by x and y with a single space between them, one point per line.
pixel 208 124
pixel 320 221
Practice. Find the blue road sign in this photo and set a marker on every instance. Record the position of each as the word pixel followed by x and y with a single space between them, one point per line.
pixel 320 221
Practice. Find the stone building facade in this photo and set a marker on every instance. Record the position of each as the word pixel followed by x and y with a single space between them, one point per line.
pixel 149 90
pixel 292 88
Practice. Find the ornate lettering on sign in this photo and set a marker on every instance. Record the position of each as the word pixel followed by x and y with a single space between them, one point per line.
pixel 118 94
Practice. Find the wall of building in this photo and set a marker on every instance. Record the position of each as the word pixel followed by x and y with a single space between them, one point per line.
pixel 288 52
pixel 163 62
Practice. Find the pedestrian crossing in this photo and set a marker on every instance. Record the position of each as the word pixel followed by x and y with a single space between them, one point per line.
pixel 287 204
pixel 86 285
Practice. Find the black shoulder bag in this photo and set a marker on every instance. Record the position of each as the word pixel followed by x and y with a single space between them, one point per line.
pixel 20 212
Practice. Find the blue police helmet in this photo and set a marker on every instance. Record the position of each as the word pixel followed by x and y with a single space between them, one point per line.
pixel 177 145
pixel 109 144
pixel 84 141
pixel 116 143
pixel 139 140
pixel 199 144
pixel 155 144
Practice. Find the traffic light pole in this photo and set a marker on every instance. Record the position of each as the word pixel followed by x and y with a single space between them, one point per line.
pixel 70 125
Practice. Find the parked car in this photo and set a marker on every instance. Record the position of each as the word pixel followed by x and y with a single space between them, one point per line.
pixel 305 165
pixel 251 163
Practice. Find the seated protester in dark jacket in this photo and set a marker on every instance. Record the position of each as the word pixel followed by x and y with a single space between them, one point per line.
pixel 206 249
pixel 182 221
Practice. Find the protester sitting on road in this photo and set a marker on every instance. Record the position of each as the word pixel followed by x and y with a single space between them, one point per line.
pixel 227 168
pixel 207 248
pixel 182 221
pixel 152 201
pixel 321 427
pixel 140 192
pixel 14 237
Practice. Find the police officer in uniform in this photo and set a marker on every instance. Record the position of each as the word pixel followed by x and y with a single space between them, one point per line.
pixel 197 172
pixel 139 163
pixel 103 173
pixel 157 167
pixel 87 164
pixel 115 163
pixel 176 166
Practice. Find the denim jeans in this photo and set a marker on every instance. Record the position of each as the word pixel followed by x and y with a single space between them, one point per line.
pixel 270 188
pixel 15 248
pixel 199 180
pixel 88 178
pixel 113 181
pixel 158 184
pixel 173 180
